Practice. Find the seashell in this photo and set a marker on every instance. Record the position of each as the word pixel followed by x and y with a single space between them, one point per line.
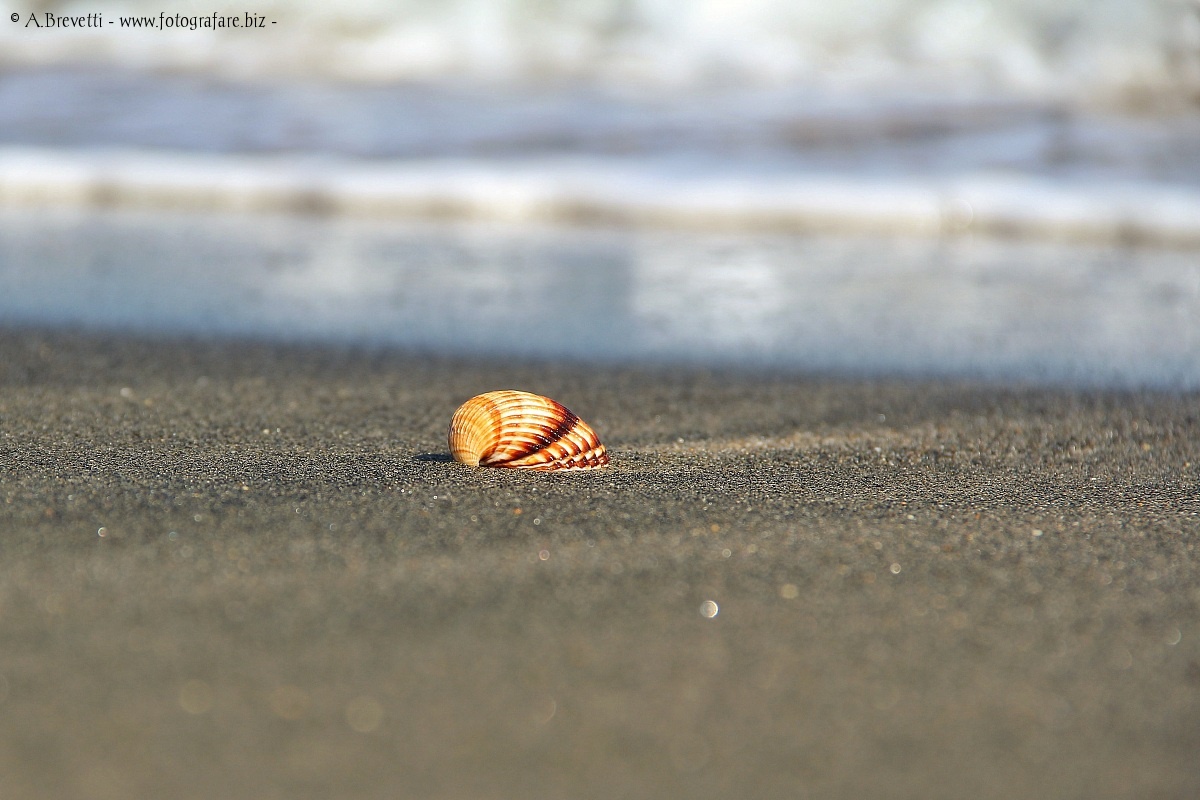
pixel 522 431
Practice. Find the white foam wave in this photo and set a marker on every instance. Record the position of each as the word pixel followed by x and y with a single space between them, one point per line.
pixel 607 191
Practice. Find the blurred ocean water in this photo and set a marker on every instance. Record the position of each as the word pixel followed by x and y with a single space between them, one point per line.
pixel 1078 118
pixel 968 307
pixel 1101 48
pixel 1003 188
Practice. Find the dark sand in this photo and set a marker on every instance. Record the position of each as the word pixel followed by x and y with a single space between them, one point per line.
pixel 925 590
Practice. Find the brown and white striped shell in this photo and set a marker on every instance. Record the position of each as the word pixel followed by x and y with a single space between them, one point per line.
pixel 522 431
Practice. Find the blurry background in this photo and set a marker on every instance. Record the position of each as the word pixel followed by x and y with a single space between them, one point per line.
pixel 1003 189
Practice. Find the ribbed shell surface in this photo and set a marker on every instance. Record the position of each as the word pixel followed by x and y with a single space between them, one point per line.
pixel 520 430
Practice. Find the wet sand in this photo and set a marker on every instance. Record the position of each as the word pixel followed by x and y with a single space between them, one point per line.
pixel 250 571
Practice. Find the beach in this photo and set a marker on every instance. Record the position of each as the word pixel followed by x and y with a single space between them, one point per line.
pixel 240 569
pixel 888 314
